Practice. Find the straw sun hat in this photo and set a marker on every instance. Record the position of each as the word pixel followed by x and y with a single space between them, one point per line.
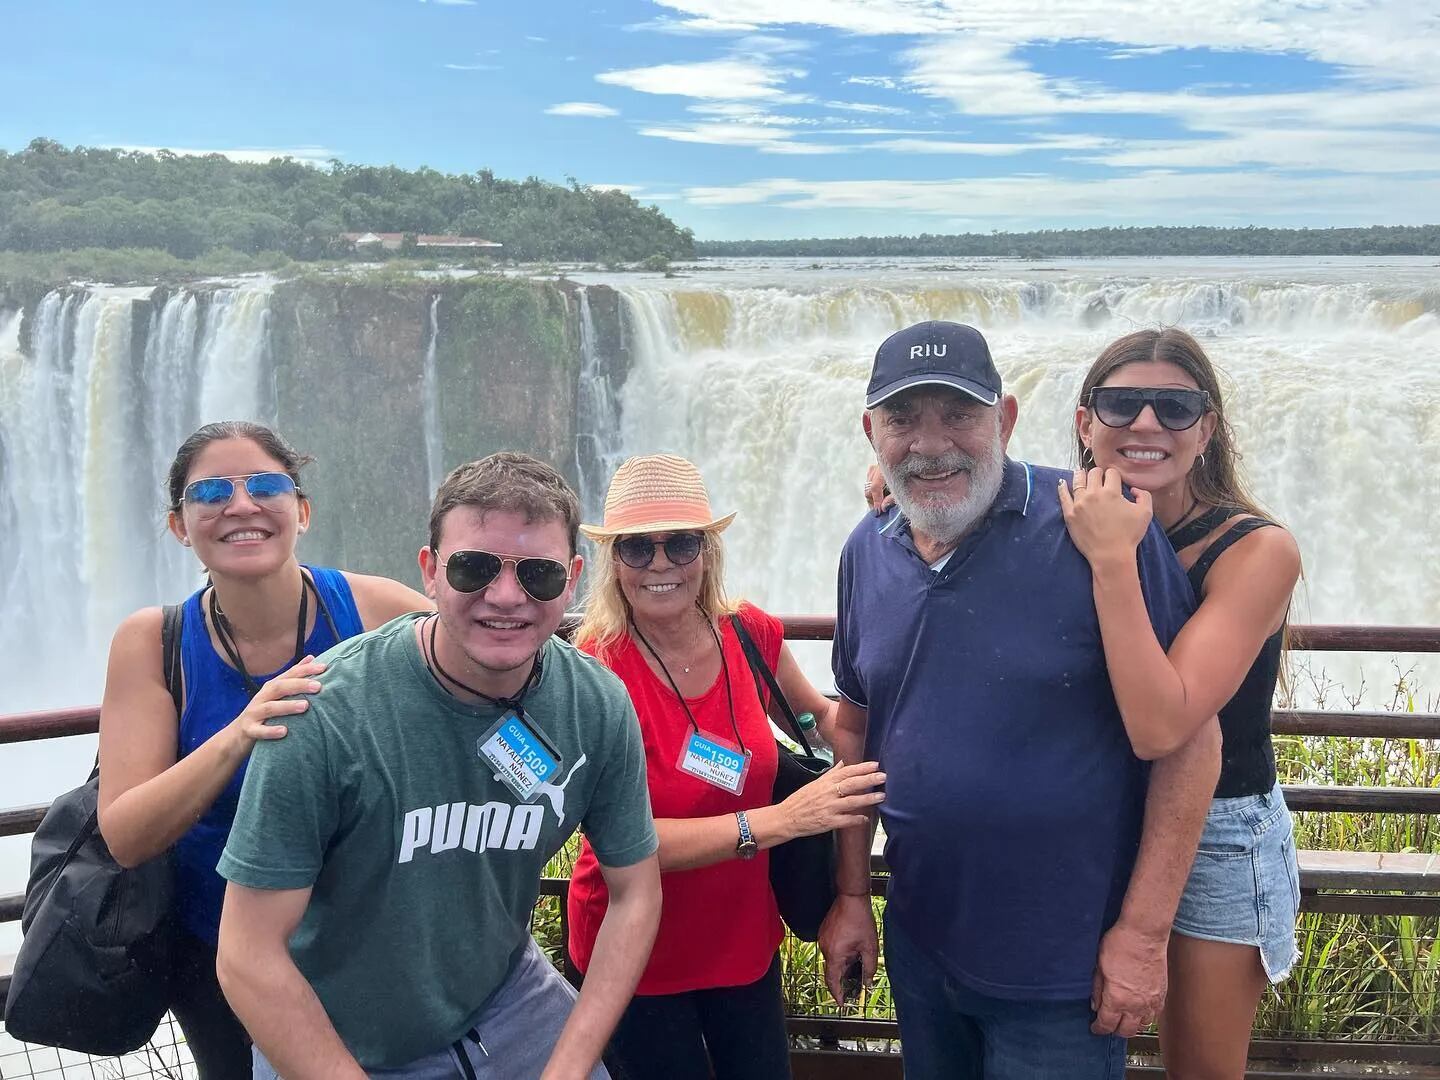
pixel 656 493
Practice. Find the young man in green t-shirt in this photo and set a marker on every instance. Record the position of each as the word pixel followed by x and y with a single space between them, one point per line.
pixel 387 851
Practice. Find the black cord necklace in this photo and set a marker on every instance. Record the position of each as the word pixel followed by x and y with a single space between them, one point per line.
pixel 432 664
pixel 724 667
pixel 225 633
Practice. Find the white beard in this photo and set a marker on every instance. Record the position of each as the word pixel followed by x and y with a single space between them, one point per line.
pixel 939 519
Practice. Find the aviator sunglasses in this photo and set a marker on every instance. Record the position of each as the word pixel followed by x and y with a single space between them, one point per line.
pixel 638 552
pixel 1177 410
pixel 471 571
pixel 211 494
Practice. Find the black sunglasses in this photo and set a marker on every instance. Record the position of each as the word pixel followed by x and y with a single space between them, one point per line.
pixel 638 552
pixel 471 571
pixel 1177 410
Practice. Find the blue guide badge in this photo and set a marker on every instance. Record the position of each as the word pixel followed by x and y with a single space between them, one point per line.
pixel 523 759
pixel 715 762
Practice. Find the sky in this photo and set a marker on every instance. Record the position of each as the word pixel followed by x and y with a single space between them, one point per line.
pixel 785 118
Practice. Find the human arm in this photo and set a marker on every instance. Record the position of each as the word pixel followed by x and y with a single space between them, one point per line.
pixel 848 932
pixel 265 989
pixel 149 799
pixel 841 798
pixel 1163 696
pixel 800 692
pixel 380 599
pixel 1130 972
pixel 622 948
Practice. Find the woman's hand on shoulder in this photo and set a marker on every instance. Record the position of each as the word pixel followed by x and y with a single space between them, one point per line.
pixel 380 599
pixel 277 699
pixel 1105 525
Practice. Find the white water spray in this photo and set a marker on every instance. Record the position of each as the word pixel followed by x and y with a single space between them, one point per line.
pixel 430 394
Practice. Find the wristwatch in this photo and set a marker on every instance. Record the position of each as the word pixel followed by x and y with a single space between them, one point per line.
pixel 745 847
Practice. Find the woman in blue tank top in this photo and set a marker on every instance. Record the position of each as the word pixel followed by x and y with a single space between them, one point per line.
pixel 1150 415
pixel 248 642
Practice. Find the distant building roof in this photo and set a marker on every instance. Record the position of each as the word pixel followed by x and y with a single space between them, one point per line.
pixel 390 241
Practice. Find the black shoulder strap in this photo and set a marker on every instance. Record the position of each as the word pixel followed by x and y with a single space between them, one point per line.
pixel 1199 528
pixel 1222 543
pixel 172 618
pixel 760 670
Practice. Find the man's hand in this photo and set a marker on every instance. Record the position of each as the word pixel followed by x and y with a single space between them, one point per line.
pixel 848 933
pixel 1130 981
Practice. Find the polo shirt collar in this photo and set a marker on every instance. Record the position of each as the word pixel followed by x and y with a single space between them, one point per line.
pixel 1016 487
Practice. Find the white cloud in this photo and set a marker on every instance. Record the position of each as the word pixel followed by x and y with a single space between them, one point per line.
pixel 581 108
pixel 731 79
pixel 766 138
pixel 1151 197
pixel 453 3
pixel 537 40
pixel 865 107
pixel 693 27
pixel 473 67
pixel 992 149
pixel 884 82
pixel 306 155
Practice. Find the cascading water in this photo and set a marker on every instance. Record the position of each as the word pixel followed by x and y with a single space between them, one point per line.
pixel 598 449
pixel 1333 396
pixel 430 391
pixel 90 419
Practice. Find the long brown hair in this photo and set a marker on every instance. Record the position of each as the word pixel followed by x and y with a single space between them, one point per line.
pixel 1215 477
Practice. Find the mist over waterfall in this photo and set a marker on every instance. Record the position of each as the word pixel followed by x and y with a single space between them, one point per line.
pixel 1331 384
pixel 90 419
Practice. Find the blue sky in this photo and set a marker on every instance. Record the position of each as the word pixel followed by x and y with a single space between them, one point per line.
pixel 777 118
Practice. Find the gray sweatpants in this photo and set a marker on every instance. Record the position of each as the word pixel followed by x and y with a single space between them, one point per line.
pixel 509 1039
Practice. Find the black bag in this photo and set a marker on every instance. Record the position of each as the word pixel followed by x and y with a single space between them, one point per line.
pixel 92 971
pixel 802 871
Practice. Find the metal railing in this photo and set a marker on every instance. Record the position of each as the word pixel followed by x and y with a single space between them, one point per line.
pixel 1336 886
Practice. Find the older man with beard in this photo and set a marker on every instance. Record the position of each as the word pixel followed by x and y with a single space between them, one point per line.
pixel 1036 862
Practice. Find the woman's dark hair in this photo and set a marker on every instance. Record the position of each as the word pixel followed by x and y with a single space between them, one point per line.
pixel 1215 477
pixel 290 460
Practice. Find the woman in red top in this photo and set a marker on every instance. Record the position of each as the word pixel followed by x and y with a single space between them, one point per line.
pixel 709 1002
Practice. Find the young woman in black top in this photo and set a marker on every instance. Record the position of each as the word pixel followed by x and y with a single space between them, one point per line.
pixel 1150 415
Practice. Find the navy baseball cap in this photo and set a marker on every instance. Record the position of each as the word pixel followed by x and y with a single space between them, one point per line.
pixel 934 354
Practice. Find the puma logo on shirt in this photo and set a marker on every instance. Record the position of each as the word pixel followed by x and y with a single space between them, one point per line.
pixel 491 826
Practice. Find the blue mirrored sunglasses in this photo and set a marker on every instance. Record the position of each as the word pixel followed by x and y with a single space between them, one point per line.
pixel 268 490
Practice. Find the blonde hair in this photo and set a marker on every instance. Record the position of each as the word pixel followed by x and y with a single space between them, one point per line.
pixel 606 618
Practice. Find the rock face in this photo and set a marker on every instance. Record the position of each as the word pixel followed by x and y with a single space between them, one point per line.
pixel 350 388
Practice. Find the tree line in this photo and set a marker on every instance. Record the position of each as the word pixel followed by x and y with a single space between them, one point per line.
pixel 1099 243
pixel 55 198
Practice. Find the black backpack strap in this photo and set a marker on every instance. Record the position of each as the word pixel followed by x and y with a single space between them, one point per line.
pixel 1222 543
pixel 760 670
pixel 172 619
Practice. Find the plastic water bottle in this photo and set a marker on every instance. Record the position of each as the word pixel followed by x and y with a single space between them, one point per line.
pixel 806 720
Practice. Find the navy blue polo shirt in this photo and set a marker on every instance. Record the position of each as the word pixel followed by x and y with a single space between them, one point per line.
pixel 1013 800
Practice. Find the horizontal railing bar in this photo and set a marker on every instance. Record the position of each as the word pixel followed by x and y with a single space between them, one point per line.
pixel 1356 725
pixel 51 724
pixel 1314 638
pixel 19 820
pixel 1361 800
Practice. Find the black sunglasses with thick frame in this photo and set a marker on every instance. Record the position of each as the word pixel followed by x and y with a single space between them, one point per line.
pixel 470 571
pixel 638 552
pixel 1175 409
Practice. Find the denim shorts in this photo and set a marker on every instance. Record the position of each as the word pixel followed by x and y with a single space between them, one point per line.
pixel 1244 886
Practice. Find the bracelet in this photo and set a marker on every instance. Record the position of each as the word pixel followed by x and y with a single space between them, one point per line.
pixel 841 892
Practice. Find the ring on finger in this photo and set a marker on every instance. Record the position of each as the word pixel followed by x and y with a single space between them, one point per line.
pixel 838 793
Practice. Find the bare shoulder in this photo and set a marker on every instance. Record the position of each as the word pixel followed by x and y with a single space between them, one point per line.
pixel 138 637
pixel 1265 557
pixel 380 599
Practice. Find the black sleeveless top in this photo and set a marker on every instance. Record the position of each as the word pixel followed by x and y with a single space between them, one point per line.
pixel 1247 762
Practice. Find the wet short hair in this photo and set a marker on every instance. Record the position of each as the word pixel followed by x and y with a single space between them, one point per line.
pixel 507 481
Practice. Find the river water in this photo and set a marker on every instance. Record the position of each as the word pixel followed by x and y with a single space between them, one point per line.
pixel 755 368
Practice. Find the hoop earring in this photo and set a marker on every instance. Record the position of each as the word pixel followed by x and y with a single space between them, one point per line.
pixel 1200 463
pixel 1083 452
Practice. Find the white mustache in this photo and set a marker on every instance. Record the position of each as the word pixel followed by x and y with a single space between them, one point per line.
pixel 914 465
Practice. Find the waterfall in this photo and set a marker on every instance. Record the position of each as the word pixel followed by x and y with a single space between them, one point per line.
pixel 598 450
pixel 1330 387
pixel 430 392
pixel 90 419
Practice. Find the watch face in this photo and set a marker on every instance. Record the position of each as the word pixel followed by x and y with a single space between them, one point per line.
pixel 747 849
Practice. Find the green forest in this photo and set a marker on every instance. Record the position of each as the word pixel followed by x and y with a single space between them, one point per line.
pixel 1098 243
pixel 54 198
